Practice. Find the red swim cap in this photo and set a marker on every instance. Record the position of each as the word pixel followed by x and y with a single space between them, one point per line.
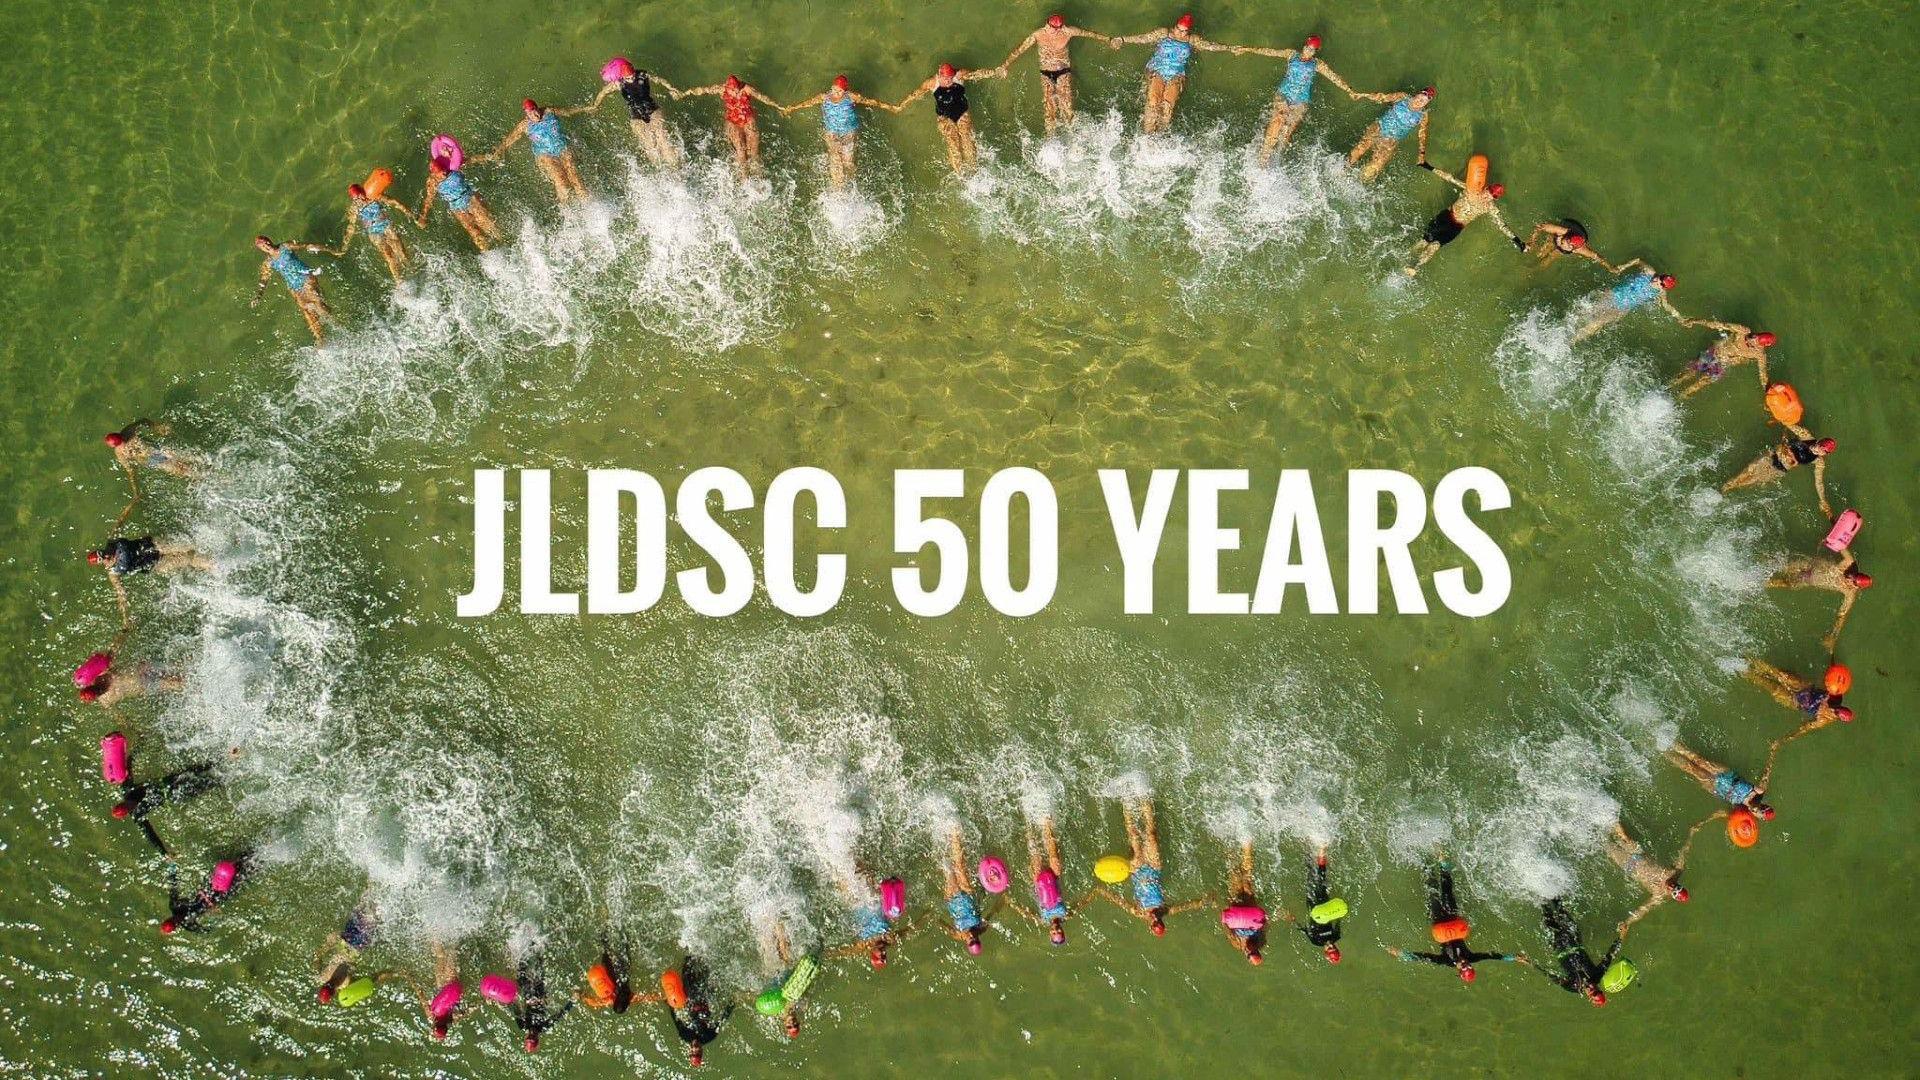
pixel 119 811
pixel 533 1043
pixel 1159 929
pixel 1313 42
pixel 168 926
pixel 1827 446
pixel 1430 92
pixel 529 104
pixel 1667 281
pixel 89 695
pixel 1844 712
pixel 325 994
pixel 1184 22
pixel 1496 190
pixel 1253 958
pixel 733 82
pixel 93 558
pixel 1864 581
pixel 1681 895
pixel 840 82
pixel 877 958
pixel 1576 241
pixel 1764 339
pixel 1598 998
pixel 1766 812
pixel 1056 20
pixel 114 438
pixel 947 70
pixel 355 191
pixel 1467 974
pixel 1333 954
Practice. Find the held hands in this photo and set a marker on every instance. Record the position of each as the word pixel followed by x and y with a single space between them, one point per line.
pixel 1519 245
pixel 1425 164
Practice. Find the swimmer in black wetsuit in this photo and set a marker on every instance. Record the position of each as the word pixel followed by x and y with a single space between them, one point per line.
pixel 649 124
pixel 185 912
pixel 1449 929
pixel 125 555
pixel 530 1012
pixel 1580 972
pixel 949 90
pixel 1325 935
pixel 695 1022
pixel 179 786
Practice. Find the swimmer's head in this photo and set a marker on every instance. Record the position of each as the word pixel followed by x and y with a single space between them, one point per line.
pixel 1333 953
pixel 122 810
pixel 1667 281
pixel 946 71
pixel 1423 97
pixel 325 994
pixel 1677 891
pixel 695 1057
pixel 95 558
pixel 877 956
pixel 1575 241
pixel 533 1044
pixel 793 1025
pixel 973 942
pixel 1184 24
pixel 530 106
pixel 1467 973
pixel 1497 190
pixel 1158 924
pixel 90 694
pixel 1765 811
pixel 263 243
pixel 840 82
pixel 1057 933
pixel 1763 339
pixel 355 191
pixel 1312 46
pixel 441 1024
pixel 1056 20
pixel 1844 713
pixel 168 926
pixel 115 439
pixel 1253 956
pixel 1597 996
pixel 733 82
pixel 1826 446
pixel 1860 578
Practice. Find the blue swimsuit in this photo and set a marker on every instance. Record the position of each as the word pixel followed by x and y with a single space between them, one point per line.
pixel 1170 58
pixel 373 218
pixel 1730 787
pixel 1636 292
pixel 839 116
pixel 1146 889
pixel 1057 911
pixel 869 923
pixel 291 270
pixel 1400 121
pixel 1297 87
pixel 965 915
pixel 455 191
pixel 545 136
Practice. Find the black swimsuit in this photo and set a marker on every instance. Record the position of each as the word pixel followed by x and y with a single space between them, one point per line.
pixel 1800 449
pixel 639 94
pixel 950 102
pixel 136 556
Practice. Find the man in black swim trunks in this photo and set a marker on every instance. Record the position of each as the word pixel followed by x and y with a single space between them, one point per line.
pixel 1472 204
pixel 649 124
pixel 1056 70
pixel 142 555
pixel 182 785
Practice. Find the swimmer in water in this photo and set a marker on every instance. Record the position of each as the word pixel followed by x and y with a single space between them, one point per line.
pixel 133 451
pixel 1166 76
pixel 1661 882
pixel 1056 68
pixel 1149 901
pixel 1838 572
pixel 284 260
pixel 1802 695
pixel 335 959
pixel 842 125
pixel 967 921
pixel 635 86
pixel 610 979
pixel 1737 345
pixel 1580 973
pixel 1553 240
pixel 138 800
pixel 1045 869
pixel 1725 784
pixel 145 680
pixel 1449 929
pixel 1634 291
pixel 1407 116
pixel 1295 93
pixel 1467 209
pixel 446 972
pixel 1240 893
pixel 743 130
pixel 531 1011
pixel 873 931
pixel 950 112
pixel 369 213
pixel 1797 447
pixel 1324 935
pixel 185 911
pixel 551 151
pixel 695 1022
pixel 776 958
pixel 450 186
pixel 142 555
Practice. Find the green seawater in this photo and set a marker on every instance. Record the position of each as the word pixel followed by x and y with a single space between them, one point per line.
pixel 1101 301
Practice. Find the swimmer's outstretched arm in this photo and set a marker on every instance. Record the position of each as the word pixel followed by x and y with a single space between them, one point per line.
pixel 1262 50
pixel 1635 916
pixel 1421 135
pixel 1334 78
pixel 1840 621
pixel 426 203
pixel 600 98
pixel 696 91
pixel 862 99
pixel 266 272
pixel 1020 50
pixel 1501 224
pixel 1447 176
pixel 120 595
pixel 924 89
pixel 787 110
pixel 1199 42
pixel 1820 485
pixel 576 109
pixel 1147 38
pixel 1629 265
pixel 1190 905
pixel 519 132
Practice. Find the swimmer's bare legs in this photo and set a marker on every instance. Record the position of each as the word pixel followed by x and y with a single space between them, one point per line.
pixel 1056 101
pixel 1280 128
pixel 313 309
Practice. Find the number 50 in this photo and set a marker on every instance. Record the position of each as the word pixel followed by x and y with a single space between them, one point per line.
pixel 914 530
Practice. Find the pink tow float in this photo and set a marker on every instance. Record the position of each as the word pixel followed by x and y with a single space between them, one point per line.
pixel 113 758
pixel 893 898
pixel 499 989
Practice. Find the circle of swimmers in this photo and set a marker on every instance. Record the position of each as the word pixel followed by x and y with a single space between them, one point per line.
pixel 878 906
